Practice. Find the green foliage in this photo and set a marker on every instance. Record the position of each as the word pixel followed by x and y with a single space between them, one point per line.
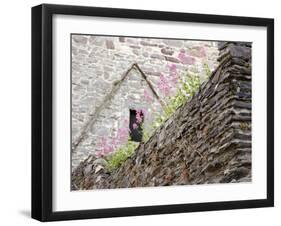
pixel 117 158
pixel 207 70
pixel 188 85
pixel 145 135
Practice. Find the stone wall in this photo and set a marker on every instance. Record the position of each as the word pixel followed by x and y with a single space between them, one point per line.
pixel 100 103
pixel 207 140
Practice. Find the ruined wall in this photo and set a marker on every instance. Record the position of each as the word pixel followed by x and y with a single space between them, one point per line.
pixel 98 62
pixel 207 140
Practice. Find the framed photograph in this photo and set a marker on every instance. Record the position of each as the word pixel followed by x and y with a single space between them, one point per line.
pixel 145 112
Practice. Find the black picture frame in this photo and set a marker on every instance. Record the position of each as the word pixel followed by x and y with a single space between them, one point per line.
pixel 42 107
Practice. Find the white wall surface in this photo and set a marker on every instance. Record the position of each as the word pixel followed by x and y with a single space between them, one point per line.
pixel 15 120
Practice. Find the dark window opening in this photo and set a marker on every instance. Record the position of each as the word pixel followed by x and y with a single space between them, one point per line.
pixel 136 126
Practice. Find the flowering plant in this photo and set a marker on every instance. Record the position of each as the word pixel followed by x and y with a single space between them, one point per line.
pixel 118 149
pixel 163 85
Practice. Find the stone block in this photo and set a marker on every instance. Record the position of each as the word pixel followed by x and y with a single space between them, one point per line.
pixel 109 44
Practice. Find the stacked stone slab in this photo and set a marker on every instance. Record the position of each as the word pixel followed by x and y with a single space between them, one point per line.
pixel 207 140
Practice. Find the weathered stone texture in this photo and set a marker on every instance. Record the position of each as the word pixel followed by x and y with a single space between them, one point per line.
pixel 207 140
pixel 98 62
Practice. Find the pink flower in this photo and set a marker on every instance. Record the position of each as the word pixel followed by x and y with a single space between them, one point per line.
pixel 163 85
pixel 173 74
pixel 107 149
pixel 123 134
pixel 139 116
pixel 114 143
pixel 135 126
pixel 173 68
pixel 186 59
pixel 102 143
pixel 181 56
pixel 104 147
pixel 146 96
pixel 98 154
